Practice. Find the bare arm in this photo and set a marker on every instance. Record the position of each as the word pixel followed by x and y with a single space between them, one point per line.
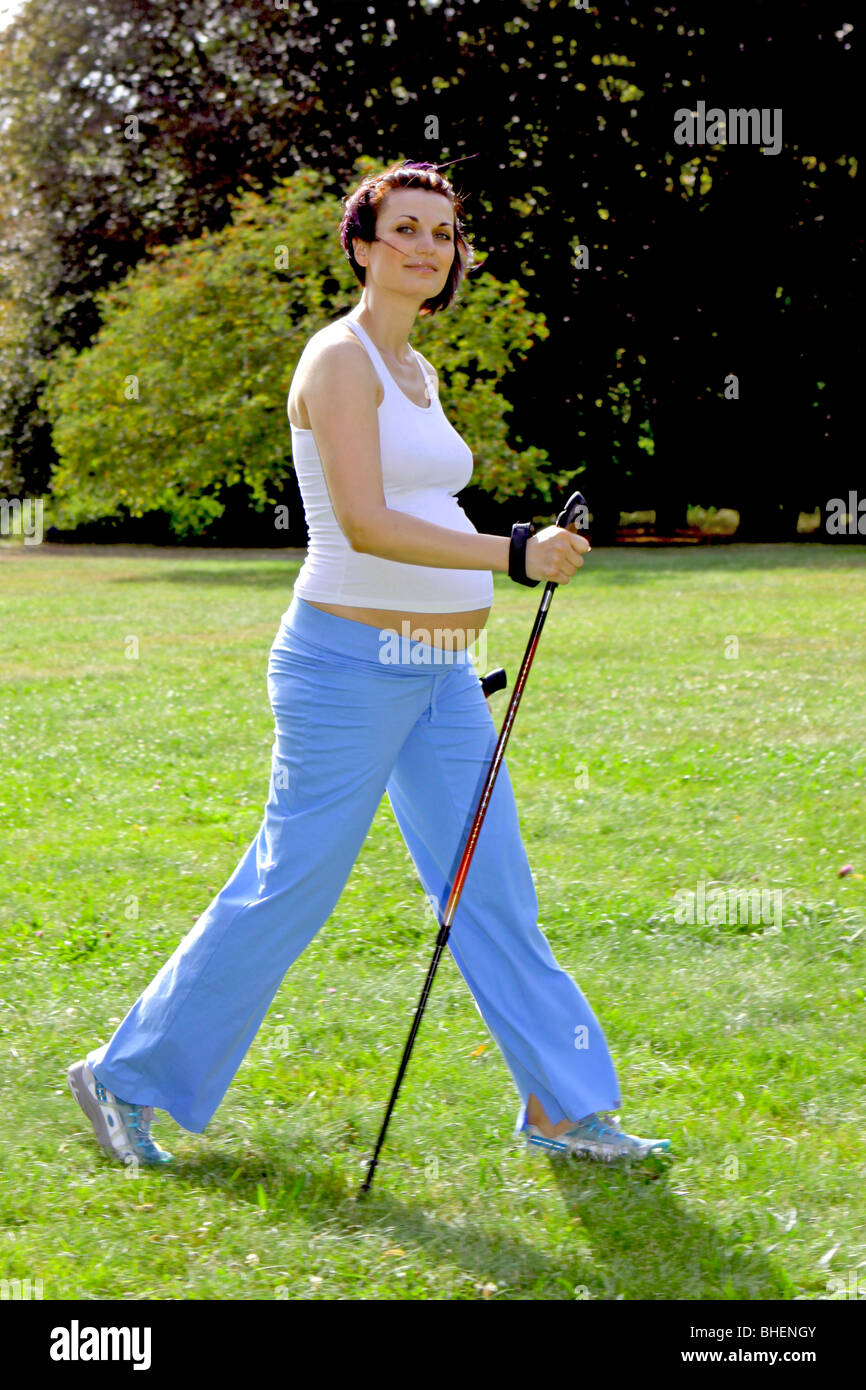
pixel 348 444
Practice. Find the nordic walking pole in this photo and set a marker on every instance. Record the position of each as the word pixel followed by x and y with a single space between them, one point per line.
pixel 575 510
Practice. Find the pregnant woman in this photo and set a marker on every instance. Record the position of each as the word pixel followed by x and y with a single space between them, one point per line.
pixel 359 714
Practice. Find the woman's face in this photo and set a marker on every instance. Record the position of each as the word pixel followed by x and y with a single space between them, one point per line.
pixel 414 250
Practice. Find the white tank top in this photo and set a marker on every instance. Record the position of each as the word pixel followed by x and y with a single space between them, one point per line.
pixel 424 463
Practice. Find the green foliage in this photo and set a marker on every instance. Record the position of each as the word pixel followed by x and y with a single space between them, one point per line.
pixel 183 391
pixel 570 141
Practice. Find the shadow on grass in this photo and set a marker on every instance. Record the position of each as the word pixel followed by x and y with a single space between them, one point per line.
pixel 666 1251
pixel 628 565
pixel 261 568
pixel 266 569
pixel 236 576
pixel 612 565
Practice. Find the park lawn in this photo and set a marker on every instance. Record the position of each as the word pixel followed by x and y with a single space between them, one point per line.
pixel 652 752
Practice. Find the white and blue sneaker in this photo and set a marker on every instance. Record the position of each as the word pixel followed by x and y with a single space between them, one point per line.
pixel 121 1128
pixel 597 1139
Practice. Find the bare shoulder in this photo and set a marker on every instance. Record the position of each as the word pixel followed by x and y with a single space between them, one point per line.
pixel 334 349
pixel 333 344
pixel 331 334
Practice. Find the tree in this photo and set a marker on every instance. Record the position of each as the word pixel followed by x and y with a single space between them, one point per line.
pixel 182 393
pixel 703 263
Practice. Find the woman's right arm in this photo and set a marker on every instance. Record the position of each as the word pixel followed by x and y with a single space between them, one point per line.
pixel 340 398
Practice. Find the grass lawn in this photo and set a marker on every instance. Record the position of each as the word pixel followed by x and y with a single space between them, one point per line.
pixel 693 716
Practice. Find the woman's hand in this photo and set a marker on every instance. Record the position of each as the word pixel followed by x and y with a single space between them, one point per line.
pixel 555 554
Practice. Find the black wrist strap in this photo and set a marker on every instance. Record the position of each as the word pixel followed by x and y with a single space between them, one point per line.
pixel 520 534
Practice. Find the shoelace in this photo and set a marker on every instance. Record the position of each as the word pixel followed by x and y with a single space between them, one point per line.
pixel 600 1130
pixel 139 1124
pixel 604 1130
pixel 635 1144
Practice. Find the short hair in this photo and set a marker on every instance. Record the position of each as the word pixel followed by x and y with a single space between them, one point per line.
pixel 361 208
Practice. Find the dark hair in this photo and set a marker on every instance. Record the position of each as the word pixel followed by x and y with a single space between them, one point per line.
pixel 362 206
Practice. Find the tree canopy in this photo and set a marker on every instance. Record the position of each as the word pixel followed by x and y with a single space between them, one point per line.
pixel 182 394
pixel 663 271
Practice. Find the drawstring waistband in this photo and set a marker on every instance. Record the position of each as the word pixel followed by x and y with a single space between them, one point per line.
pixel 364 643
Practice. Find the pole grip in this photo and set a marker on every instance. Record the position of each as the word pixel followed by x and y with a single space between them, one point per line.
pixel 575 513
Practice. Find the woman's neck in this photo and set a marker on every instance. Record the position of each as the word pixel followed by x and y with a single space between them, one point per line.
pixel 388 324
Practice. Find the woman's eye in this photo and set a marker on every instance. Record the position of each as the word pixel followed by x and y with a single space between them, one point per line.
pixel 446 235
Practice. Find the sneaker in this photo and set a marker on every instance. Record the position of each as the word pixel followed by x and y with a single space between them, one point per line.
pixel 597 1139
pixel 121 1128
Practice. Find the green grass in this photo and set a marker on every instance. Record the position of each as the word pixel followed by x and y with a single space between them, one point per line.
pixel 645 760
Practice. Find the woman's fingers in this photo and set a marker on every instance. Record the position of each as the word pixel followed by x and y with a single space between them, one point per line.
pixel 555 554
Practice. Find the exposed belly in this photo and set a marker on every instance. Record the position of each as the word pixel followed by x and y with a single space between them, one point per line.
pixel 451 631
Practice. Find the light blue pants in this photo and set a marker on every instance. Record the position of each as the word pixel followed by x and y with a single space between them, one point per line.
pixel 355 718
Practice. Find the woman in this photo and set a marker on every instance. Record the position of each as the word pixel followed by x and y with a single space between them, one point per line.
pixel 356 714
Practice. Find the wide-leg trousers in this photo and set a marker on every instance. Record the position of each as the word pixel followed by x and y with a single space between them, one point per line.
pixel 356 715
